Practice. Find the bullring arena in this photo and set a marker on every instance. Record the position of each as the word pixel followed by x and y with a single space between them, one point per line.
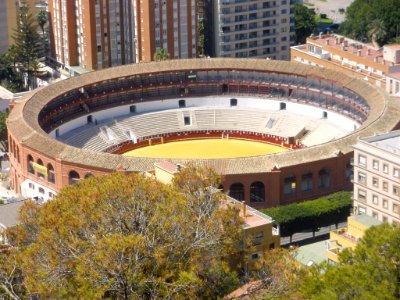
pixel 302 121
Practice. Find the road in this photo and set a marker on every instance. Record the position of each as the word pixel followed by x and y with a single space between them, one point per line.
pixel 303 238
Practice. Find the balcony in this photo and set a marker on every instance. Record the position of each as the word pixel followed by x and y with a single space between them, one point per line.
pixel 343 238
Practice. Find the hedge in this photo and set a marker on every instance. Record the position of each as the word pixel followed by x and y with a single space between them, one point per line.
pixel 312 214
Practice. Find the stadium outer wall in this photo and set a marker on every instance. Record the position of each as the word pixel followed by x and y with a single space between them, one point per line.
pixel 41 165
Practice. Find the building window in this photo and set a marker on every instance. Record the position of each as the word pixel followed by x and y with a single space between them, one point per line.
pixel 385 186
pixel 234 102
pixel 325 115
pixel 132 108
pixel 362 178
pixel 30 165
pixel 362 161
pixel 306 182
pixel 396 209
pixel 186 121
pixel 385 203
pixel 375 215
pixel 324 178
pixel 90 119
pixel 396 173
pixel 282 106
pixel 236 191
pixel 385 168
pixel 375 182
pixel 73 177
pixel 257 238
pixel 384 219
pixel 257 192
pixel 396 190
pixel 41 190
pixel 50 173
pixel 375 164
pixel 31 185
pixel 289 185
pixel 375 199
pixel 362 210
pixel 362 195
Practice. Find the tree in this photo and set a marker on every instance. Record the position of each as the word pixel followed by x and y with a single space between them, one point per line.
pixel 41 19
pixel 27 42
pixel 312 214
pixel 305 25
pixel 128 236
pixel 161 54
pixel 371 271
pixel 3 129
pixel 377 32
pixel 361 16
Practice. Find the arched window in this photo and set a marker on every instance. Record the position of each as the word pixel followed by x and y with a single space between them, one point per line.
pixel 257 192
pixel 306 182
pixel 39 172
pixel 51 177
pixel 87 175
pixel 236 191
pixel 324 178
pixel 349 172
pixel 73 177
pixel 30 164
pixel 289 185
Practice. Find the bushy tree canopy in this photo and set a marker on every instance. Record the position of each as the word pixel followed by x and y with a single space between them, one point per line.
pixel 371 271
pixel 371 20
pixel 304 22
pixel 129 237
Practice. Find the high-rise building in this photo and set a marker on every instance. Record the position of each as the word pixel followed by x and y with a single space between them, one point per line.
pixel 168 25
pixel 92 34
pixel 9 16
pixel 248 28
pixel 104 33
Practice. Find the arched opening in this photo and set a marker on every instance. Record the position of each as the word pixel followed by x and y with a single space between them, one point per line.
pixel 257 192
pixel 182 103
pixel 306 182
pixel 282 106
pixel 349 172
pixel 236 191
pixel 132 109
pixel 40 171
pixel 30 164
pixel 87 175
pixel 325 115
pixel 73 177
pixel 324 178
pixel 289 185
pixel 90 119
pixel 51 177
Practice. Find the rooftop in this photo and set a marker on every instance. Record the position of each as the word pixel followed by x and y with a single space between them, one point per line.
pixel 388 141
pixel 9 213
pixel 354 47
pixel 311 254
pixel 366 220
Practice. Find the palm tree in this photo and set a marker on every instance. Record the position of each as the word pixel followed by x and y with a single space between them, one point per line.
pixel 377 33
pixel 161 54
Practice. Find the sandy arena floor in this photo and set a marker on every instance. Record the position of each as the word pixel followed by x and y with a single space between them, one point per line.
pixel 207 148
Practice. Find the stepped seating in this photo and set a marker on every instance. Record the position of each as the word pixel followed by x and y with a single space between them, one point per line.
pixel 285 124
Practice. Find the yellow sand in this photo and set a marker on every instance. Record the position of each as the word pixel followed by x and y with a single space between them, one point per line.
pixel 206 148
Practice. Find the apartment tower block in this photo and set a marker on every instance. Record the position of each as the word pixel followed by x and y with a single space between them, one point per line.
pixel 104 33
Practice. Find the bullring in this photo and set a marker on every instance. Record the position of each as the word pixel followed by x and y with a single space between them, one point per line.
pixel 41 124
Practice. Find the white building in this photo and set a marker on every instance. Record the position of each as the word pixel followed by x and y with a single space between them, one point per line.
pixel 377 177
